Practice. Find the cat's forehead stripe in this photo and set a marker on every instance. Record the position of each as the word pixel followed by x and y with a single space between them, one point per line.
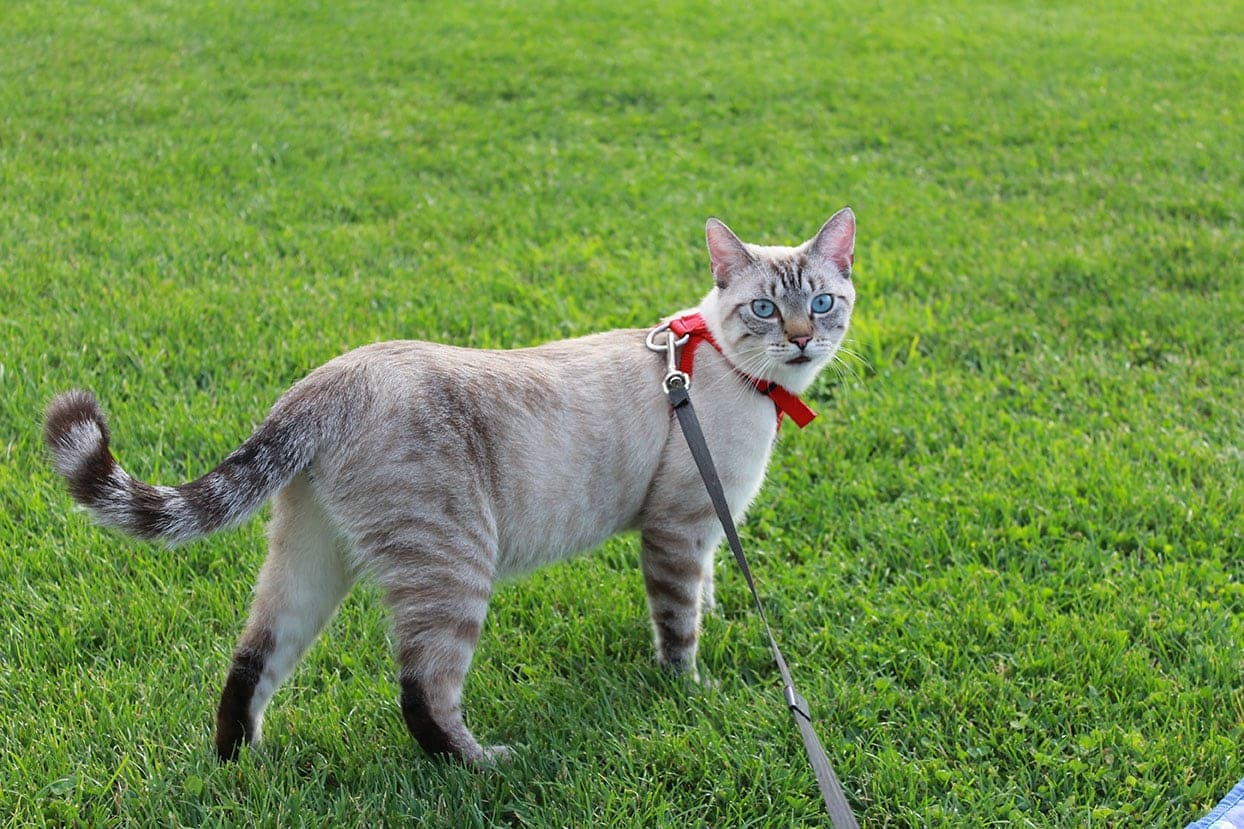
pixel 789 273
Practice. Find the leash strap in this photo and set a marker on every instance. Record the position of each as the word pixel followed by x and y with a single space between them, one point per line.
pixel 831 790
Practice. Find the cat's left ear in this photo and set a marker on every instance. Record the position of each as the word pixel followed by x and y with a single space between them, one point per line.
pixel 835 241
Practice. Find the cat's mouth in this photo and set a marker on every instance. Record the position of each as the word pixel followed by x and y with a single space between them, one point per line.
pixel 801 359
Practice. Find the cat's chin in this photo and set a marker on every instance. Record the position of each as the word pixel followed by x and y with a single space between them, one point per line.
pixel 795 373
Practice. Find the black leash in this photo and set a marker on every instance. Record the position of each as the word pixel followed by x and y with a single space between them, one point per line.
pixel 831 790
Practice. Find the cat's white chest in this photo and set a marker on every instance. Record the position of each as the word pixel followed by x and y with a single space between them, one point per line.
pixel 740 431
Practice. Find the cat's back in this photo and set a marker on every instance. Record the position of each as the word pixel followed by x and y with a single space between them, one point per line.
pixel 611 368
pixel 556 443
pixel 622 348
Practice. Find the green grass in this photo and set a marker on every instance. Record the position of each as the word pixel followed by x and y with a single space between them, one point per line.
pixel 1006 562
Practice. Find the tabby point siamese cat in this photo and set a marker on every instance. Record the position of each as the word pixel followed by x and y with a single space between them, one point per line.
pixel 436 470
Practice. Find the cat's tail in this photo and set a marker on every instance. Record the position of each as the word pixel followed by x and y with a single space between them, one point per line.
pixel 77 435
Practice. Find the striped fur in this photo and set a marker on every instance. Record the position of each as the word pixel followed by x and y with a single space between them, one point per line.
pixel 435 471
pixel 77 435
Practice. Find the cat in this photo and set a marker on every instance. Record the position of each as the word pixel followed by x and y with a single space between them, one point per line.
pixel 437 470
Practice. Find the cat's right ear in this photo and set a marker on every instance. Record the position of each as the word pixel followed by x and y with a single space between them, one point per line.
pixel 727 251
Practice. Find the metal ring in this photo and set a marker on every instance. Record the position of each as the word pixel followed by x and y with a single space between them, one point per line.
pixel 661 329
pixel 676 378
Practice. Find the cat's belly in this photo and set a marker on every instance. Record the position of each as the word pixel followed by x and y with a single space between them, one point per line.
pixel 554 539
pixel 569 510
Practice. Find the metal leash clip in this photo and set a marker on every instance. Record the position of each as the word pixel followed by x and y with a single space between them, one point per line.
pixel 674 378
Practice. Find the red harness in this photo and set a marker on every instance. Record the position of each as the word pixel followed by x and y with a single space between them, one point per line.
pixel 784 401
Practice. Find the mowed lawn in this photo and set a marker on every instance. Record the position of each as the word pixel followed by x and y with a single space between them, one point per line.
pixel 1005 562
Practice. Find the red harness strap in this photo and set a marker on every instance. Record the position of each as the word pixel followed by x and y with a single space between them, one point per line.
pixel 784 401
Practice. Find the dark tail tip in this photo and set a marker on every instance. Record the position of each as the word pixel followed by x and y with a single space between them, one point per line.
pixel 76 434
pixel 67 411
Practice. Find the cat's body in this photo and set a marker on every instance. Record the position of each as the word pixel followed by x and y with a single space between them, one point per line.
pixel 437 470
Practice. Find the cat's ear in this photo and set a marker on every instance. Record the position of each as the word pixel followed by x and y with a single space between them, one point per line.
pixel 726 251
pixel 835 241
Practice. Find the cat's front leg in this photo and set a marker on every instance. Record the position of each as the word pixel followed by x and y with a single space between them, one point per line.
pixel 675 560
pixel 708 597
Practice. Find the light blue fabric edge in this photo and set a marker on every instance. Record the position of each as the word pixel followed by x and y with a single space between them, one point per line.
pixel 1234 798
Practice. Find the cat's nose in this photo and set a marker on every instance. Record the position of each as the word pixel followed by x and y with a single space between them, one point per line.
pixel 801 341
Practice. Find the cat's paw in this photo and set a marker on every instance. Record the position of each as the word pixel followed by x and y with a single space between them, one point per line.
pixel 496 757
pixel 700 681
pixel 708 683
pixel 683 668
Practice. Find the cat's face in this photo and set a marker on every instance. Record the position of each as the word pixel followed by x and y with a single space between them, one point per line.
pixel 782 312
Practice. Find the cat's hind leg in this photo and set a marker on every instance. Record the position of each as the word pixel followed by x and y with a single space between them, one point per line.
pixel 438 585
pixel 303 579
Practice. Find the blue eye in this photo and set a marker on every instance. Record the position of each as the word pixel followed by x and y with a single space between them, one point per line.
pixel 763 308
pixel 822 303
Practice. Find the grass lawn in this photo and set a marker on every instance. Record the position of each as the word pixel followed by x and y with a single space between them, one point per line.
pixel 1005 562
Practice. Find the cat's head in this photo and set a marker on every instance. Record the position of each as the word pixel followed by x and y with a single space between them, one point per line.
pixel 781 313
